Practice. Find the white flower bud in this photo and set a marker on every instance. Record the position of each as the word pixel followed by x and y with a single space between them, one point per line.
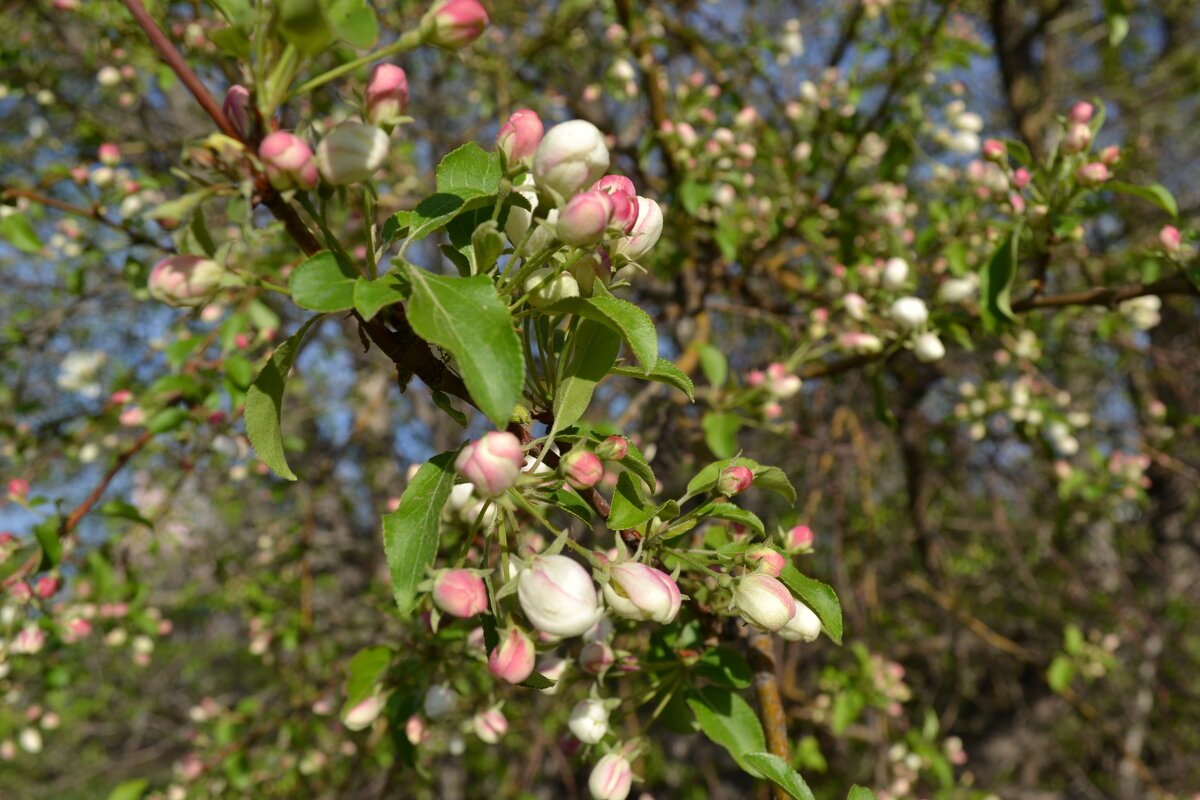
pixel 589 721
pixel 559 287
pixel 909 313
pixel 570 157
pixel 895 274
pixel 558 596
pixel 351 152
pixel 804 626
pixel 928 348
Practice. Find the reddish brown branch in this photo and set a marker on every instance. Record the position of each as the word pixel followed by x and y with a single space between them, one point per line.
pixel 770 703
pixel 92 213
pixel 91 500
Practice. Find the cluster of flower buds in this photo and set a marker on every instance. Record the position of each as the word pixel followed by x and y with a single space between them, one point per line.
pixel 185 280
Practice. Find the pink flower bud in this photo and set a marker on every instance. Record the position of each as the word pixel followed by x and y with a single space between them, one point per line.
pixel 804 626
pixel 492 463
pixel 415 730
pixel 582 469
pixel 513 658
pixel 185 280
pixel 288 161
pixel 780 383
pixel 734 480
pixel 1169 238
pixel 615 448
pixel 109 154
pixel 454 23
pixel 490 725
pixel 625 205
pixel 1110 155
pixel 362 715
pixel 647 228
pixel 588 721
pixel 570 156
pixel 352 152
pixel 584 219
pixel 1077 138
pixel 763 601
pixel 386 95
pixel 460 593
pixel 611 778
pixel 47 586
pixel 20 592
pixel 519 138
pixel 29 640
pixel 1021 178
pixel 756 378
pixel 640 592
pixel 766 560
pixel 1092 174
pixel 798 539
pixel 18 488
pixel 558 596
pixel 595 658
pixel 1081 112
pixel 239 110
pixel 994 150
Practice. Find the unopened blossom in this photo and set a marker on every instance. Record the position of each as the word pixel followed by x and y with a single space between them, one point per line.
pixel 109 154
pixel 460 592
pixel 763 601
pixel 558 596
pixel 611 778
pixel 415 730
pixel 956 290
pixel 928 347
pixel 362 715
pixel 909 313
pixel 351 153
pixel 185 280
pixel 513 658
pixel 584 219
pixel 595 658
pixel 519 220
pixel 571 156
pixel 780 383
pixel 386 97
pixel 645 232
pixel 1092 174
pixel 491 463
pixel 490 726
pixel 239 110
pixel 288 161
pixel 582 469
pixel 1110 155
pixel 440 701
pixel 1081 113
pixel 454 23
pixel 895 274
pixel 994 150
pixel 1077 138
pixel 798 538
pixel 766 559
pixel 637 591
pixel 804 626
pixel 519 138
pixel 1170 238
pixel 589 721
pixel 855 305
pixel 547 286
pixel 734 480
pixel 614 448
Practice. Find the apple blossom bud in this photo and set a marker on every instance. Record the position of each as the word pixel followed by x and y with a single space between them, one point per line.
pixel 239 110
pixel 415 730
pixel 351 152
pixel 895 274
pixel 363 714
pixel 624 199
pixel 1092 174
pixel 1077 138
pixel 855 305
pixel 30 740
pixel 595 658
pixel 780 383
pixel 512 659
pixel 615 448
pixel 588 721
pixel 519 138
pixel 1021 178
pixel 909 313
pixel 288 161
pixel 440 700
pixel 928 348
pixel 646 230
pixel 519 220
pixel 545 292
pixel 20 592
pixel 766 560
pixel 637 591
pixel 461 593
pixel 1169 238
pixel 386 95
pixel 558 596
pixel 615 184
pixel 1081 113
pixel 570 156
pixel 763 601
pixel 584 219
pixel 109 154
pixel 611 778
pixel 994 150
pixel 804 626
pixel 1110 155
pixel 582 469
pixel 490 725
pixel 491 463
pixel 29 640
pixel 18 488
pixel 47 586
pixel 798 539
pixel 454 23
pixel 185 280
pixel 734 480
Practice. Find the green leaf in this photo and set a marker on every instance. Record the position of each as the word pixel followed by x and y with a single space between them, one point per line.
pixel 264 404
pixel 322 283
pixel 732 513
pixel 629 504
pixel 46 533
pixel 304 24
pixel 819 597
pixel 466 317
pixel 20 234
pixel 714 364
pixel 720 432
pixel 372 296
pixel 664 372
pixel 860 793
pixel 1060 673
pixel 123 510
pixel 780 773
pixel 634 324
pixel 354 23
pixel 594 350
pixel 536 680
pixel 770 478
pixel 996 281
pixel 724 666
pixel 167 420
pixel 236 12
pixel 469 170
pixel 729 721
pixel 1020 151
pixel 129 790
pixel 1155 193
pixel 694 194
pixel 410 533
pixel 571 503
pixel 364 671
pixel 433 213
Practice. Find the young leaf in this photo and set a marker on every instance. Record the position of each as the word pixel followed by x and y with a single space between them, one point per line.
pixel 594 350
pixel 663 372
pixel 469 168
pixel 634 325
pixel 468 318
pixel 859 793
pixel 1154 193
pixel 714 364
pixel 371 296
pixel 264 404
pixel 995 284
pixel 720 432
pixel 770 478
pixel 46 533
pixel 819 597
pixel 729 721
pixel 364 672
pixel 354 22
pixel 322 283
pixel 629 505
pixel 19 233
pixel 780 773
pixel 724 666
pixel 410 533
pixel 728 511
pixel 129 790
